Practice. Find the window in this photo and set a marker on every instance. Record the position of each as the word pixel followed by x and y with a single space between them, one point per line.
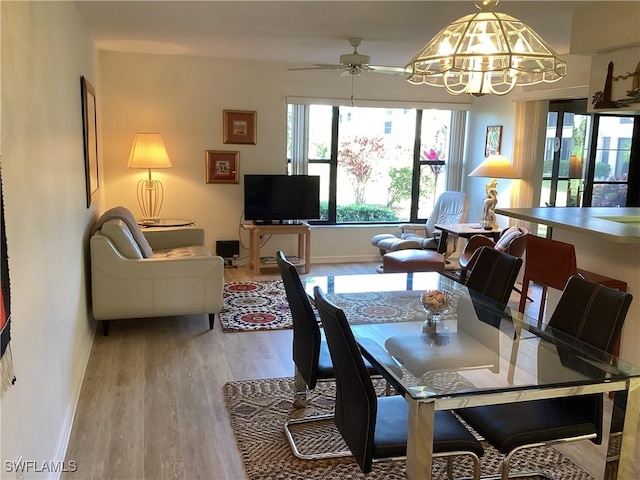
pixel 612 181
pixel 376 164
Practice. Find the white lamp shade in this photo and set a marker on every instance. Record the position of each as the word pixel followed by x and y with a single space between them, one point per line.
pixel 495 166
pixel 148 151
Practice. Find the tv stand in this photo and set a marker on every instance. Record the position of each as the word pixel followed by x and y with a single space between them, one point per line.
pixel 302 229
pixel 278 222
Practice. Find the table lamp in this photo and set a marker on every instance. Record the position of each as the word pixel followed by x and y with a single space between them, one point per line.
pixel 148 151
pixel 494 166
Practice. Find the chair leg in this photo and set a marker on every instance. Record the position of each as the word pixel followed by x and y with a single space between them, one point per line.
pixel 311 456
pixel 520 292
pixel 105 328
pixel 543 301
pixel 299 390
pixel 463 276
pixel 523 295
pixel 212 317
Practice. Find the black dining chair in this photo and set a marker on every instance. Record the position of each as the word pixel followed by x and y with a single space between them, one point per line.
pixel 375 428
pixel 591 313
pixel 494 275
pixel 310 354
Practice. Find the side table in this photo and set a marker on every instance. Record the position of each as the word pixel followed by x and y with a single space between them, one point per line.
pixel 463 230
pixel 166 222
pixel 303 230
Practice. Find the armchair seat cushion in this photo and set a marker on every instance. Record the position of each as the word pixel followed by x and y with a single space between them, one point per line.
pixel 406 242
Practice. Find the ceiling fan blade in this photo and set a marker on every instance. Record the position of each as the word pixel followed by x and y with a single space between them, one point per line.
pixel 387 70
pixel 321 66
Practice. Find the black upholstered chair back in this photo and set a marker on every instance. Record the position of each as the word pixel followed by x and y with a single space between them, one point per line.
pixel 356 403
pixel 494 275
pixel 592 313
pixel 306 332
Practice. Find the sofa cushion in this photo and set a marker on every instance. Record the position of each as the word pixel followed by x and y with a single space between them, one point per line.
pixel 120 235
pixel 124 214
pixel 190 251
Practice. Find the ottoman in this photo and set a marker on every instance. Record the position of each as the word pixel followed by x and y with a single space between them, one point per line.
pixel 413 260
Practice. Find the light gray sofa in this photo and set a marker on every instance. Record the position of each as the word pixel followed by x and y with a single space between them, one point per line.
pixel 159 272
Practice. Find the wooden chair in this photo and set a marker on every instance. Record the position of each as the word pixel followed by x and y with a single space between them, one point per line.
pixel 550 263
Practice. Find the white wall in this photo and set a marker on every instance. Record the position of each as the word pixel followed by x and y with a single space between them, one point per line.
pixel 45 51
pixel 183 98
pixel 487 111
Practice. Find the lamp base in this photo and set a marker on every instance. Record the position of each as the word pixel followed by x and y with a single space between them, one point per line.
pixel 150 197
pixel 487 225
pixel 150 221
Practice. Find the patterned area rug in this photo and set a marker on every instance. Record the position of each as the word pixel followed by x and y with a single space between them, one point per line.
pixel 259 408
pixel 251 306
pixel 262 305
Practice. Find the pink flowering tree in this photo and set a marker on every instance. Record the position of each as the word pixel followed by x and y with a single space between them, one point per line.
pixel 358 157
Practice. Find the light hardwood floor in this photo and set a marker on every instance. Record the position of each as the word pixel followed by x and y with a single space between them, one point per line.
pixel 151 404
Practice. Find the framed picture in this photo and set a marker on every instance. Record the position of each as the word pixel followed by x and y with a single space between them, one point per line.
pixel 239 126
pixel 90 129
pixel 222 166
pixel 493 140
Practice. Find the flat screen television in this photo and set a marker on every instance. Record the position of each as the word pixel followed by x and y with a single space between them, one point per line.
pixel 281 198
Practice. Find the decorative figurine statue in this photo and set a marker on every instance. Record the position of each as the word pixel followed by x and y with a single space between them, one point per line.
pixel 488 212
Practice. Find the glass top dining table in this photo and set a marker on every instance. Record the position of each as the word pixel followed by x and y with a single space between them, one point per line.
pixel 474 353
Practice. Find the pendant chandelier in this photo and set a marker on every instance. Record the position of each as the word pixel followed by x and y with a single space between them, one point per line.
pixel 485 53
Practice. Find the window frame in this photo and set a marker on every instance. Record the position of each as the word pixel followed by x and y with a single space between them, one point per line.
pixel 417 163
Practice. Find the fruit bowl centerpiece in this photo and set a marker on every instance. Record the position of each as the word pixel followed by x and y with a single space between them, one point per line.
pixel 435 303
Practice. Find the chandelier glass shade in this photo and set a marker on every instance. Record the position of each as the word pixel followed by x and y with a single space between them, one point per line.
pixel 485 53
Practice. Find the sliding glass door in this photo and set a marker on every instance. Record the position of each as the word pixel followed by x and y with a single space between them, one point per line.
pixel 567 147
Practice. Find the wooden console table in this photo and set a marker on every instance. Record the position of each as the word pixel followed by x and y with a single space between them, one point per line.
pixel 303 230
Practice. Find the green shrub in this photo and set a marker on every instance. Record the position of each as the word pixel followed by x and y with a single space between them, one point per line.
pixel 603 170
pixel 360 213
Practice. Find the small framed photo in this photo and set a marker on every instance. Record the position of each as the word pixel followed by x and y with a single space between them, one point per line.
pixel 493 141
pixel 239 126
pixel 222 166
pixel 90 129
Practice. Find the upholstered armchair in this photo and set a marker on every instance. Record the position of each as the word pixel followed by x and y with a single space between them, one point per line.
pixel 139 273
pixel 451 207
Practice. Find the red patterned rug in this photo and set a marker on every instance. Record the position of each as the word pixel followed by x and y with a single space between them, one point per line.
pixel 262 305
pixel 251 306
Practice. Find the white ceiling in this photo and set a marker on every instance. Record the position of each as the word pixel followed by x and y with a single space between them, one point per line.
pixel 300 32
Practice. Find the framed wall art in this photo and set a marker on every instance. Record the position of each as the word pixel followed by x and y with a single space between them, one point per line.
pixel 239 126
pixel 222 166
pixel 493 140
pixel 90 129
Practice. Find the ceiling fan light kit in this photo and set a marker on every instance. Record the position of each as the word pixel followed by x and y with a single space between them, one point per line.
pixel 485 53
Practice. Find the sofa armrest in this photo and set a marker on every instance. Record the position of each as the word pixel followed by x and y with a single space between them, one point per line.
pixel 172 237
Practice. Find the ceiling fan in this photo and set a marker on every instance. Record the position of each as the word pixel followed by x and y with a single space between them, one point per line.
pixel 355 63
